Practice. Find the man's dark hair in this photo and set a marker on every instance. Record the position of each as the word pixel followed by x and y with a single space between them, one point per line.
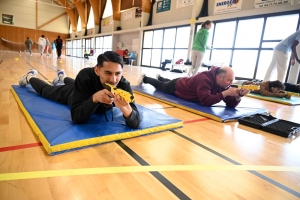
pixel 221 72
pixel 43 36
pixel 276 84
pixel 109 56
pixel 58 37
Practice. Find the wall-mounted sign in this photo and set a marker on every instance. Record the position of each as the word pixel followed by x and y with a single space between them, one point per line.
pixel 138 12
pixel 7 19
pixel 227 6
pixel 184 3
pixel 127 15
pixel 163 6
pixel 90 31
pixel 269 3
pixel 106 21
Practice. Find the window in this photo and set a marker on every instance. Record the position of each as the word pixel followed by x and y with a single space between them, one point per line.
pixel 161 44
pixel 224 34
pixel 280 27
pixel 76 48
pixel 158 38
pixel 249 33
pixel 148 39
pixel 79 24
pixel 169 38
pixel 91 22
pixel 243 63
pixel 108 11
pixel 263 64
pixel 69 48
pixel 182 37
pixel 103 44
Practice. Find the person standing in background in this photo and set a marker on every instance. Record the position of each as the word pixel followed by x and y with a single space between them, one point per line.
pixel 47 47
pixel 59 45
pixel 281 57
pixel 28 44
pixel 42 44
pixel 53 49
pixel 199 47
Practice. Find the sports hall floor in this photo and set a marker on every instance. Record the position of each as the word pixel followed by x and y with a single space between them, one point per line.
pixel 203 160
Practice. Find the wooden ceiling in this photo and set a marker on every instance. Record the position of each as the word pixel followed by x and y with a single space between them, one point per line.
pixel 75 8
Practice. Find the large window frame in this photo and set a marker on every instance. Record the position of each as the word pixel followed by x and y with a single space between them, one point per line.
pixel 103 43
pixel 158 50
pixel 264 44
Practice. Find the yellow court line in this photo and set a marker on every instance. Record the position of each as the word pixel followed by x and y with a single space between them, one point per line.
pixel 132 169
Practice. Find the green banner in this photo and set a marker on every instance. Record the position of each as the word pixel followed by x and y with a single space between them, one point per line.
pixel 163 5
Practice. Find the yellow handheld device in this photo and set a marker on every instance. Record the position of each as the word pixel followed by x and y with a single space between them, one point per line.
pixel 124 94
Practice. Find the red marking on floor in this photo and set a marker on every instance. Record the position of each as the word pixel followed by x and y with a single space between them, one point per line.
pixel 22 146
pixel 195 120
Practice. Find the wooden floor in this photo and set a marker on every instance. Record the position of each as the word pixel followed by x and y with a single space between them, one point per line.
pixel 245 163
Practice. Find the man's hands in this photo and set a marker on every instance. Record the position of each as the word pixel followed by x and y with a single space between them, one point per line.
pixel 106 97
pixel 235 92
pixel 103 96
pixel 123 105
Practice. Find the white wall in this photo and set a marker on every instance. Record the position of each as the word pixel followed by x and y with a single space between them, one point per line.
pixel 130 23
pixel 171 15
pixel 24 13
pixel 127 38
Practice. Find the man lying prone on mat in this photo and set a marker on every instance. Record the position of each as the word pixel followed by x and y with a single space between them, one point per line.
pixel 208 87
pixel 87 94
pixel 272 88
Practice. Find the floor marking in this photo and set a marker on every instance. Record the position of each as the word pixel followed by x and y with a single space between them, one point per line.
pixel 163 180
pixel 195 120
pixel 252 171
pixel 133 169
pixel 22 146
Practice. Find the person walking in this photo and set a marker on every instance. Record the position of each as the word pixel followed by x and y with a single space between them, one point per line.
pixel 53 49
pixel 199 47
pixel 28 44
pixel 281 57
pixel 42 44
pixel 59 45
pixel 47 47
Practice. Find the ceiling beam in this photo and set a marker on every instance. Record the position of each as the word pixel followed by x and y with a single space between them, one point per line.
pixel 146 6
pixel 116 4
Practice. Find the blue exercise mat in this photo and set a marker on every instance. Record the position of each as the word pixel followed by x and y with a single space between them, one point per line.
pixel 217 113
pixel 52 123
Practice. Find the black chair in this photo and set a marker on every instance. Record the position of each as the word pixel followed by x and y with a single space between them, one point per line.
pixel 163 64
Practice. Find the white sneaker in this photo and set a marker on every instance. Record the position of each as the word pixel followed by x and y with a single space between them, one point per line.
pixel 140 81
pixel 157 76
pixel 24 80
pixel 31 54
pixel 59 79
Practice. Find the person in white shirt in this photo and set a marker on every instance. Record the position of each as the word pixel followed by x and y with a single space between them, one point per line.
pixel 281 57
pixel 42 44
